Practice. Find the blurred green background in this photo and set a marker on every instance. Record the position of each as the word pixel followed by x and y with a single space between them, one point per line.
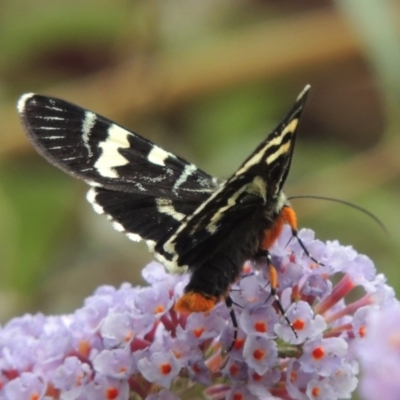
pixel 207 80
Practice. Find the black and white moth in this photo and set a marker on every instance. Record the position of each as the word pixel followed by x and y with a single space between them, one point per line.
pixel 189 219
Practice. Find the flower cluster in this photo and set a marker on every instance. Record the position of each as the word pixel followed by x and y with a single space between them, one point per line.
pixel 130 343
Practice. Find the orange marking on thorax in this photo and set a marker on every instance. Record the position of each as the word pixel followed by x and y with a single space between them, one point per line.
pixel 195 302
pixel 287 216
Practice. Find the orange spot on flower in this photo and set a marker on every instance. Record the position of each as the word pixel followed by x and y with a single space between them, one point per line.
pixel 298 325
pixel 178 354
pixel 258 354
pixel 198 332
pixel 84 348
pixel 239 343
pixel 233 370
pixel 315 391
pixel 159 309
pixel 165 369
pixel 260 327
pixel 52 392
pixel 112 393
pixel 238 396
pixel 362 331
pixel 128 337
pixel 318 353
pixel 34 396
pixel 196 369
pixel 256 377
pixel 293 376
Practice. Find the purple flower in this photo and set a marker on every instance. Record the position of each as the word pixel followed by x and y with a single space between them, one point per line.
pixel 116 363
pixel 260 353
pixel 155 300
pixel 260 321
pixel 27 386
pixel 117 329
pixel 240 392
pixel 325 355
pixel 303 319
pixel 102 387
pixel 236 370
pixel 72 375
pixel 131 343
pixel 378 349
pixel 258 384
pixel 199 372
pixel 200 327
pixel 161 367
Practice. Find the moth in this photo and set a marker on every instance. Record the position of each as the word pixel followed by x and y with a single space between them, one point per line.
pixel 189 219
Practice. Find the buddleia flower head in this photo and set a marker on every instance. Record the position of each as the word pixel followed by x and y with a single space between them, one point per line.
pixel 130 343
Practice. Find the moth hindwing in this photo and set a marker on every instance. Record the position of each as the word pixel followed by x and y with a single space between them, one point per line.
pixel 189 219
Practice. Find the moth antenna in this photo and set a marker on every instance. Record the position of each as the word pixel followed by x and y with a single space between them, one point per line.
pixel 346 203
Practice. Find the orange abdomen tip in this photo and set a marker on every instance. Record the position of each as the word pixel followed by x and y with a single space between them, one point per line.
pixel 195 302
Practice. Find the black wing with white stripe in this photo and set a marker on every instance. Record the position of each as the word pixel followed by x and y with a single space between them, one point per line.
pixel 145 190
pixel 103 153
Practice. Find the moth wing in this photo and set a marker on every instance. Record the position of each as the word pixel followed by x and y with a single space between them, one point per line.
pixel 145 190
pixel 254 187
pixel 102 153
